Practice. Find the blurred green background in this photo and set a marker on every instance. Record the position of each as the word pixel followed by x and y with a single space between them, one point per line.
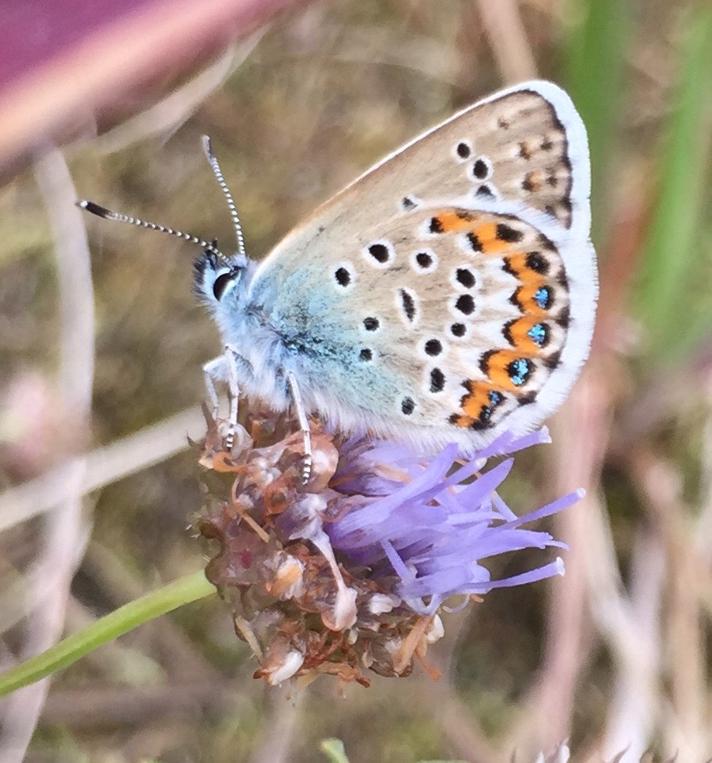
pixel 613 656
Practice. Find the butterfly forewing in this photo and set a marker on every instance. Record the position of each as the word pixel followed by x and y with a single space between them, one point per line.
pixel 512 147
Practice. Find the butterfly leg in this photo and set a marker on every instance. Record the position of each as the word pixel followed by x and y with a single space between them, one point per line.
pixel 303 425
pixel 214 370
pixel 233 394
pixel 224 368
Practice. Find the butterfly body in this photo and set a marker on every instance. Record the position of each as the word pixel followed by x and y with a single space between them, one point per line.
pixel 446 295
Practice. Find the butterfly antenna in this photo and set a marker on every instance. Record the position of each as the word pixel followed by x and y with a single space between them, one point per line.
pixel 215 166
pixel 108 214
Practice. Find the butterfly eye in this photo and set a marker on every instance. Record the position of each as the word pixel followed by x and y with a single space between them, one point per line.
pixel 223 281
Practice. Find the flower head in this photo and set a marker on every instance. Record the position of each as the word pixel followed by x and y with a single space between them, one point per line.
pixel 352 571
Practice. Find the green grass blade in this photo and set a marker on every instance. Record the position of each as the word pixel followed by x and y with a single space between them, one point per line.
pixel 334 750
pixel 120 621
pixel 596 55
pixel 675 249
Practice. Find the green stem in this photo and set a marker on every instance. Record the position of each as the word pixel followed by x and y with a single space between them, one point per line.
pixel 122 620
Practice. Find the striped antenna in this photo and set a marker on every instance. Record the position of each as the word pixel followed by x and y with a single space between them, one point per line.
pixel 108 214
pixel 215 166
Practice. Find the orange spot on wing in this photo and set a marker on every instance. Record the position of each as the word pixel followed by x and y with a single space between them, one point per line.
pixel 524 297
pixel 456 222
pixel 473 403
pixel 479 404
pixel 496 366
pixel 517 334
pixel 497 370
pixel 463 221
pixel 517 266
pixel 487 235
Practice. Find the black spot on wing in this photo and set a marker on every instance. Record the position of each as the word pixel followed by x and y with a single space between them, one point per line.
pixel 458 329
pixel 480 169
pixel 546 243
pixel 553 360
pixel 535 261
pixel 564 318
pixel 342 276
pixel 465 304
pixel 465 277
pixel 371 324
pixel 474 242
pixel 437 380
pixel 408 304
pixel 379 252
pixel 433 347
pixel 424 260
pixel 508 233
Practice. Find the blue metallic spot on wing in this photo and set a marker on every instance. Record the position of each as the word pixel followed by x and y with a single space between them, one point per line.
pixel 519 371
pixel 537 333
pixel 543 297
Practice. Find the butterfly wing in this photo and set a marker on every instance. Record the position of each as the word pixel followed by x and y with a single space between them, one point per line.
pixel 389 270
pixel 526 145
pixel 519 145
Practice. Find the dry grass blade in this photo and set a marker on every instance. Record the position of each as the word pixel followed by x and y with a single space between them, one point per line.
pixel 65 529
pixel 102 466
pixel 508 39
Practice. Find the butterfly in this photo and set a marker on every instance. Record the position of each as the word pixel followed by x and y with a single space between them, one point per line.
pixel 446 295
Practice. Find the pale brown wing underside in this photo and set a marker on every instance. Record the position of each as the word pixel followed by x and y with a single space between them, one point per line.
pixel 513 148
pixel 479 306
pixel 512 171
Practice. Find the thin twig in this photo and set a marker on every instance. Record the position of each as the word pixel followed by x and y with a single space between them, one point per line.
pixel 580 437
pixel 279 726
pixel 508 39
pixel 660 485
pixel 87 708
pixel 634 639
pixel 140 450
pixel 65 531
pixel 166 116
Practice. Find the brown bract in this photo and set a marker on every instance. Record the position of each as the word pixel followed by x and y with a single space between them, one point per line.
pixel 302 611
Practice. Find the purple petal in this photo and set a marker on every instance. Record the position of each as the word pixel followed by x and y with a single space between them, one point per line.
pixel 433 529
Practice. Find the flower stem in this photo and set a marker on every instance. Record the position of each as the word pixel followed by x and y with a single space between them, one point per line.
pixel 122 620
